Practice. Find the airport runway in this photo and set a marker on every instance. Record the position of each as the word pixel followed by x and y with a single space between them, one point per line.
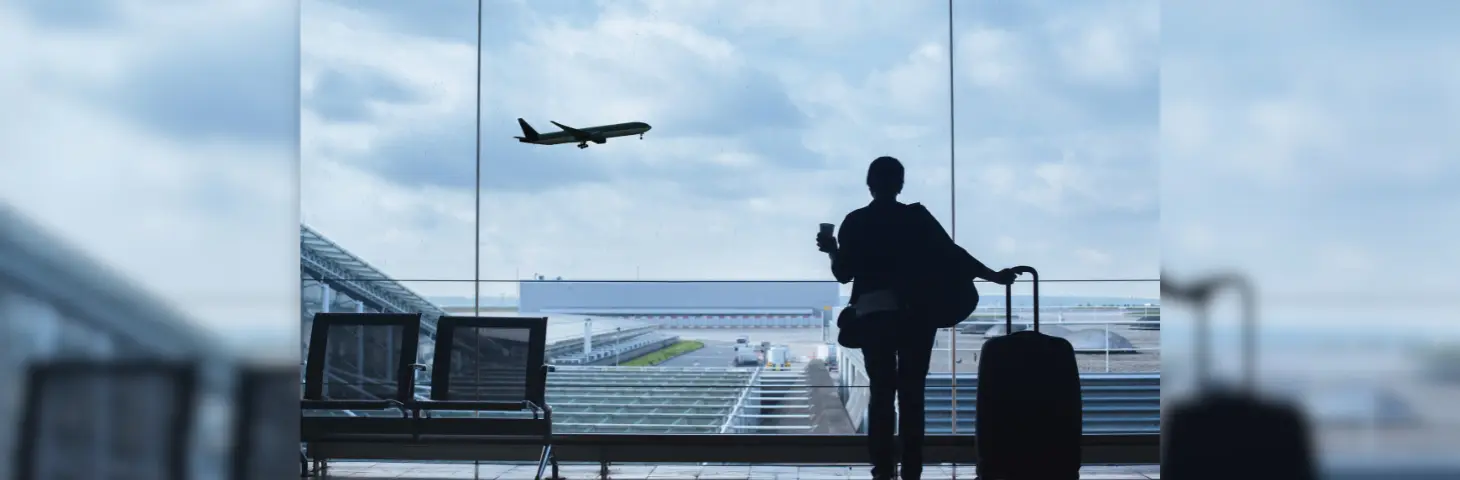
pixel 715 354
pixel 720 348
pixel 720 343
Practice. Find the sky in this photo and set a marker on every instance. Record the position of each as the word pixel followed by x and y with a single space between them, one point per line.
pixel 1303 142
pixel 763 128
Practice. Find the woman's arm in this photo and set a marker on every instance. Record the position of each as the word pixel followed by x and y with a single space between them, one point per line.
pixel 980 270
pixel 844 258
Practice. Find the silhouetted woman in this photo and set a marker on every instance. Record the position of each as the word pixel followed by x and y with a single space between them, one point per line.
pixel 876 248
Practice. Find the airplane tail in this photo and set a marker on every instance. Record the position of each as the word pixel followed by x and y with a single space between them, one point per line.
pixel 528 133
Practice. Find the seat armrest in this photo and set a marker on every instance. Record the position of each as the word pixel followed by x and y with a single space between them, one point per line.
pixel 469 405
pixel 546 411
pixel 398 405
pixel 387 404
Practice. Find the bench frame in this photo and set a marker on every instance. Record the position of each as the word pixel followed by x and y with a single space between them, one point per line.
pixel 408 443
pixel 335 437
pixel 610 448
pixel 183 374
pixel 316 428
pixel 252 381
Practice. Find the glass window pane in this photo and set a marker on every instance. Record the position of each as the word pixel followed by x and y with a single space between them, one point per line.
pixel 386 142
pixel 1057 114
pixel 762 128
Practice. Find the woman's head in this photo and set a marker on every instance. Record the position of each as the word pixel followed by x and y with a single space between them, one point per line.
pixel 884 177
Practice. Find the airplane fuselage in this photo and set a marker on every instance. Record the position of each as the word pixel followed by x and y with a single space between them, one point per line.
pixel 582 136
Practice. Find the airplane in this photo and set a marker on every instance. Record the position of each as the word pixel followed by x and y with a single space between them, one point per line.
pixel 598 135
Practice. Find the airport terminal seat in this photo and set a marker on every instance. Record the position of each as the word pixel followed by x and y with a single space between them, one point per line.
pixel 106 418
pixel 264 427
pixel 340 405
pixel 488 385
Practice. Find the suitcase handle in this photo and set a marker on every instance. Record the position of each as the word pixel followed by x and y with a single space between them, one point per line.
pixel 1009 298
pixel 1200 293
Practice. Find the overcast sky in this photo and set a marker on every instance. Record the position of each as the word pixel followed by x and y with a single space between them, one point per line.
pixel 1302 141
pixel 764 122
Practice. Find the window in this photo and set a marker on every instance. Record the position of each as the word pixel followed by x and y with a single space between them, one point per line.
pixel 651 257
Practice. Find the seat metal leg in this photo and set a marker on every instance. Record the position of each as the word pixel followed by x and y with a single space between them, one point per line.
pixel 544 461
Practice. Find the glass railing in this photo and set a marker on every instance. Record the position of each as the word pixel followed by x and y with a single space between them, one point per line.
pixel 759 361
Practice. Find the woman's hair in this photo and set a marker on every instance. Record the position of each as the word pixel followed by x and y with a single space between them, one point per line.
pixel 884 176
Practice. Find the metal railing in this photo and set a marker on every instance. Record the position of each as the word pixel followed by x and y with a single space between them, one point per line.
pixel 1122 381
pixel 617 349
pixel 569 345
pixel 1107 348
pixel 1123 403
pixel 739 405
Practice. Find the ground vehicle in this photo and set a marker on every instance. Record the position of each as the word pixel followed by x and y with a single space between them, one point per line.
pixel 777 357
pixel 745 356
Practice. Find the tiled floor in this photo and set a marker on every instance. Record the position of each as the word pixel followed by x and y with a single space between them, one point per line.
pixel 428 471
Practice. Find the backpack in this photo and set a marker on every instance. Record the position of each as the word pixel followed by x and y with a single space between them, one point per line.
pixel 942 288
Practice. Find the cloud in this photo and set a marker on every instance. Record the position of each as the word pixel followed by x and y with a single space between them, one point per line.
pixel 745 126
pixel 990 58
pixel 1313 141
pixel 346 95
pixel 70 15
pixel 98 150
pixel 1092 256
pixel 168 74
pixel 692 87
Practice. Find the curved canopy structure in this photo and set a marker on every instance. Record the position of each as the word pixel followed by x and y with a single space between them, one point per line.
pixel 1052 330
pixel 1099 340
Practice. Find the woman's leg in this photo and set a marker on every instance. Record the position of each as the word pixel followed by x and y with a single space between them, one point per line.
pixel 881 364
pixel 914 354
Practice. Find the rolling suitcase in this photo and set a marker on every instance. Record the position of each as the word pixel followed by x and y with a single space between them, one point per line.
pixel 1204 435
pixel 1029 411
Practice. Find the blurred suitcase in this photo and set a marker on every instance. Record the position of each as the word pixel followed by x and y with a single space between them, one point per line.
pixel 1029 410
pixel 1228 432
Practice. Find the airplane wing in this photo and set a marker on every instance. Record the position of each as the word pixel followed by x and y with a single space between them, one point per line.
pixel 576 133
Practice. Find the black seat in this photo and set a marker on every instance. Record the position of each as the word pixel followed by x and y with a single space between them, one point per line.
pixel 359 381
pixel 106 419
pixel 488 383
pixel 265 426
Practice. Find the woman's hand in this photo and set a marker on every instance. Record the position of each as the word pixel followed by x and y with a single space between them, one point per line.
pixel 1004 277
pixel 826 243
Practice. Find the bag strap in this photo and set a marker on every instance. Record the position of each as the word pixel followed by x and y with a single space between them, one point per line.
pixel 939 239
pixel 936 234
